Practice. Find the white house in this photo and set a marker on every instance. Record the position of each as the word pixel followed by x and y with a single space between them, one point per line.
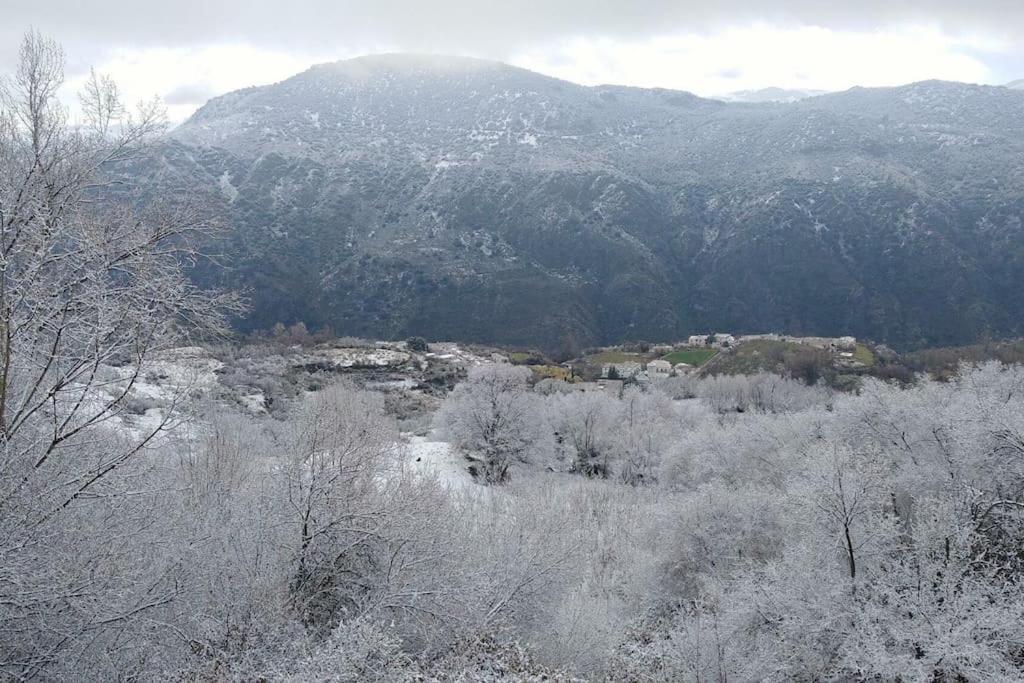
pixel 697 340
pixel 658 369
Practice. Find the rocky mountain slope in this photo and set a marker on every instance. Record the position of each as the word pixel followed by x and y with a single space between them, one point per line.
pixel 464 199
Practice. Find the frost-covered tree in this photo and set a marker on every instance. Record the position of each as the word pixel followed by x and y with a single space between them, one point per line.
pixel 585 424
pixel 645 430
pixel 605 437
pixel 495 419
pixel 877 537
pixel 340 458
pixel 86 281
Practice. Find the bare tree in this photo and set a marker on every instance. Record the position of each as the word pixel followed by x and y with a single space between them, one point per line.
pixel 85 282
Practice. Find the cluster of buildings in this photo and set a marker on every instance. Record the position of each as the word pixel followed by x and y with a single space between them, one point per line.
pixel 655 369
pixel 660 369
pixel 724 340
pixel 615 375
pixel 718 340
pixel 840 344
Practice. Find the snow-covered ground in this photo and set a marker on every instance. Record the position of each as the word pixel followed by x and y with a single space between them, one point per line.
pixel 357 357
pixel 433 457
pixel 453 353
pixel 170 378
pixel 174 379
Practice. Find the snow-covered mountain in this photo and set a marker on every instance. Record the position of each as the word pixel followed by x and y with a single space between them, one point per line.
pixel 466 199
pixel 771 95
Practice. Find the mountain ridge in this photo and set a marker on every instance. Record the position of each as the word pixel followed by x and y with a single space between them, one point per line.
pixel 771 94
pixel 484 202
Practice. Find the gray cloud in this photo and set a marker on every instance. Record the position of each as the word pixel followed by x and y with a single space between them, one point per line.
pixel 498 30
pixel 492 28
pixel 190 93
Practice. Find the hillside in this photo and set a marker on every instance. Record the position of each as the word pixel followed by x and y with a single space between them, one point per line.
pixel 455 198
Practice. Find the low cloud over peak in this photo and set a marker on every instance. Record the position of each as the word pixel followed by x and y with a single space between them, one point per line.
pixel 189 50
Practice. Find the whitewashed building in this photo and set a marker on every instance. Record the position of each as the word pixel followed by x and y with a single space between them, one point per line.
pixel 658 369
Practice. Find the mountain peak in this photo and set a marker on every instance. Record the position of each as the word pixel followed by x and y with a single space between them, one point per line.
pixel 365 101
pixel 413 60
pixel 409 66
pixel 406 62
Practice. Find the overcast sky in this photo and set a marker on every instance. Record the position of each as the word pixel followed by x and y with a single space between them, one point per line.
pixel 186 51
